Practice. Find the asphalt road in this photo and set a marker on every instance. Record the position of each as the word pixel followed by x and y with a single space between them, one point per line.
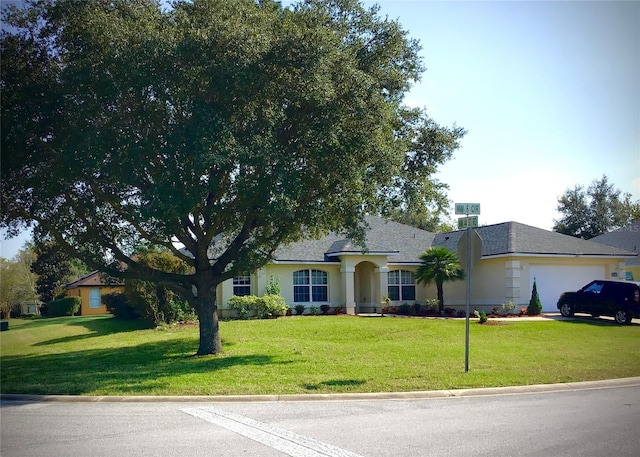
pixel 593 421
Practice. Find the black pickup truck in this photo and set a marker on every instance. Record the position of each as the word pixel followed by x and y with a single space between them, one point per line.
pixel 619 299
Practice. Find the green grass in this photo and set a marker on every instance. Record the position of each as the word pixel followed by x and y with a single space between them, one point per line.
pixel 324 354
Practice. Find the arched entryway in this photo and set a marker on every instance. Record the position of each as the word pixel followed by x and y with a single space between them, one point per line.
pixel 367 288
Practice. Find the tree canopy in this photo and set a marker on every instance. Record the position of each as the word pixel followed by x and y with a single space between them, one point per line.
pixel 594 211
pixel 227 128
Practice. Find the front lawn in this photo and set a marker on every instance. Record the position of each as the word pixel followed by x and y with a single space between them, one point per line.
pixel 303 354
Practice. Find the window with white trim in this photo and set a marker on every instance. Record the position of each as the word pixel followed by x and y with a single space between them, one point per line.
pixel 310 286
pixel 95 300
pixel 402 285
pixel 242 285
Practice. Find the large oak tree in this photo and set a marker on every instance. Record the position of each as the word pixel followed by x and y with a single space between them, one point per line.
pixel 226 127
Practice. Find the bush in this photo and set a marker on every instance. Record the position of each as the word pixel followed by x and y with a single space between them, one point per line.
pixel 67 306
pixel 339 310
pixel 243 305
pixel 273 286
pixel 299 309
pixel 118 305
pixel 417 307
pixel 506 308
pixel 449 312
pixel 535 306
pixel 404 309
pixel 482 315
pixel 461 313
pixel 179 311
pixel 325 309
pixel 313 310
pixel 271 306
pixel 432 306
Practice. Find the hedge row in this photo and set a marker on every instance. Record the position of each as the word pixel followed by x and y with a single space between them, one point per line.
pixel 265 307
pixel 67 306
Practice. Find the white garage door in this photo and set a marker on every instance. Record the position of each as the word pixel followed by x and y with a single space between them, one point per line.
pixel 552 280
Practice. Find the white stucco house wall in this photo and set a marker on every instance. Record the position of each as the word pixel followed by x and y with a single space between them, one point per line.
pixel 508 256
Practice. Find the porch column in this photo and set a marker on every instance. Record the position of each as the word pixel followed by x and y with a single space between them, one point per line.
pixel 348 289
pixel 383 281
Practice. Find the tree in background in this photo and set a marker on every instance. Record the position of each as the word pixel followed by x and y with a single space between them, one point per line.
pixel 229 128
pixel 17 282
pixel 599 209
pixel 439 265
pixel 52 266
pixel 54 269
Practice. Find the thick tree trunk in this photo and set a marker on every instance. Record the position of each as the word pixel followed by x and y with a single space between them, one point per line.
pixel 210 341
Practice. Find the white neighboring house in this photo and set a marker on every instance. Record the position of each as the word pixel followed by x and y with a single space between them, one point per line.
pixel 508 256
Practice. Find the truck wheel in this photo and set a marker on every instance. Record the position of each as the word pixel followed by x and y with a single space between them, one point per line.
pixel 566 310
pixel 622 316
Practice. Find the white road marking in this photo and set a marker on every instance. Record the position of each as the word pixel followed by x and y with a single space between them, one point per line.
pixel 282 440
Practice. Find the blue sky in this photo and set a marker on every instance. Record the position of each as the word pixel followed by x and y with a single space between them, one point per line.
pixel 549 92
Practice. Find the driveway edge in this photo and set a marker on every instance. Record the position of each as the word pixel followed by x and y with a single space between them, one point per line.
pixel 472 392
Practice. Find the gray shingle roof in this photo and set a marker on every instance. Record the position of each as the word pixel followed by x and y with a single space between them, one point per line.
pixel 627 238
pixel 401 243
pixel 404 244
pixel 517 238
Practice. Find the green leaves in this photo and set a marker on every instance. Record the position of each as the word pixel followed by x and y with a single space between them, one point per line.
pixel 229 128
pixel 599 209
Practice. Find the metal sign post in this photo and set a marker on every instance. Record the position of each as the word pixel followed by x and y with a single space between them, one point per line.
pixel 467 223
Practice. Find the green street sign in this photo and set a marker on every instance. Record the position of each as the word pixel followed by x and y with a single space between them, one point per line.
pixel 467 208
pixel 467 222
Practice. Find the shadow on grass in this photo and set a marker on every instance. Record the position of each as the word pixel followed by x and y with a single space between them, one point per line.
pixel 590 320
pixel 138 370
pixel 97 326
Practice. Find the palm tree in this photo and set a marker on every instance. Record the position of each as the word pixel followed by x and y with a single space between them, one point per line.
pixel 439 264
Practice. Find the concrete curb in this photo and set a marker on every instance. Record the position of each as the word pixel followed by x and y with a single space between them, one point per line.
pixel 473 392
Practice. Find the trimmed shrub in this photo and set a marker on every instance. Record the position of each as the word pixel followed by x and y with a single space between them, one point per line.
pixel 535 306
pixel 325 309
pixel 299 309
pixel 67 306
pixel 242 306
pixel 271 306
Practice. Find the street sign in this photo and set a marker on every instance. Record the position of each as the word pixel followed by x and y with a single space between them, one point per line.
pixel 467 222
pixel 468 208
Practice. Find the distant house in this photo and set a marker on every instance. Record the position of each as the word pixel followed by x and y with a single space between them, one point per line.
pixel 91 288
pixel 627 238
pixel 507 257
